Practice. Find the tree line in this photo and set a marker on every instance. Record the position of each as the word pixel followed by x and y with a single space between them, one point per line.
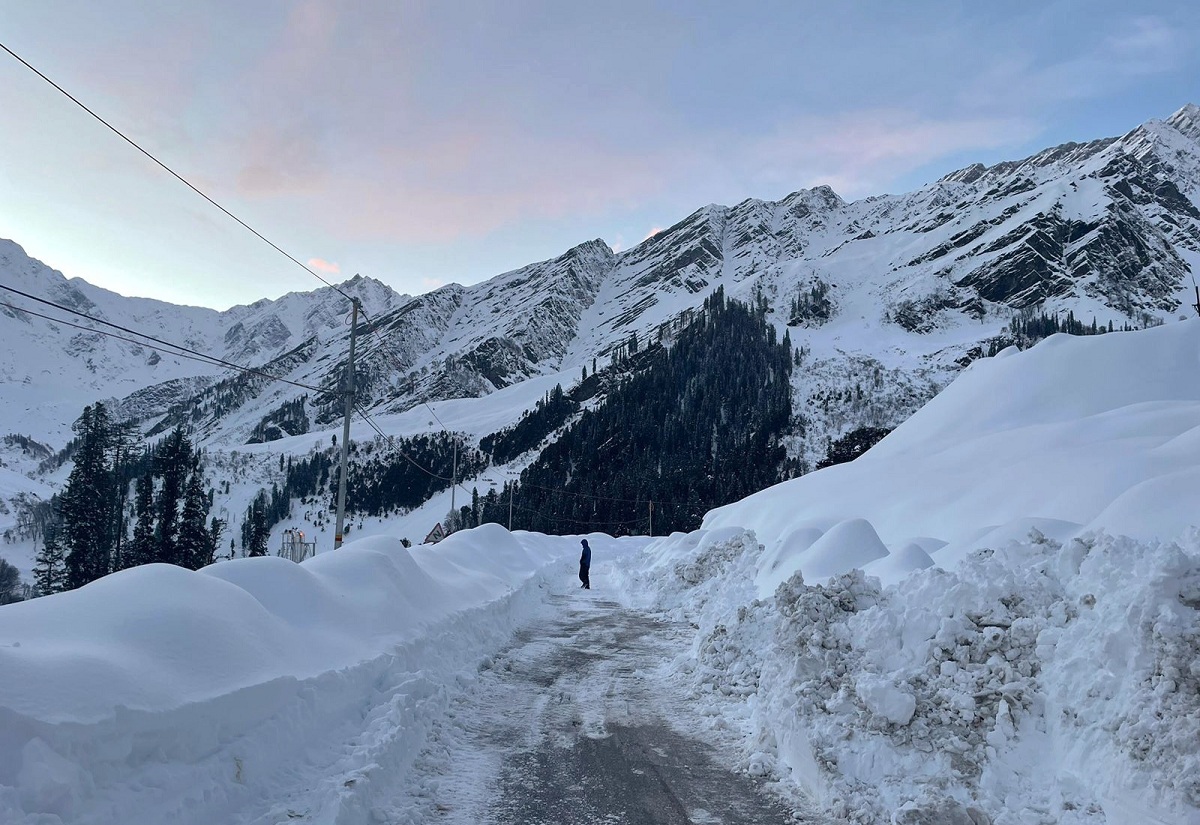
pixel 1027 328
pixel 699 426
pixel 89 535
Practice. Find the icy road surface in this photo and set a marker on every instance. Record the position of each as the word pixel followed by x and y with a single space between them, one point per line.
pixel 574 724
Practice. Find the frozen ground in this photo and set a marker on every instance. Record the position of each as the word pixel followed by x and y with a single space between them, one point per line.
pixel 259 690
pixel 579 721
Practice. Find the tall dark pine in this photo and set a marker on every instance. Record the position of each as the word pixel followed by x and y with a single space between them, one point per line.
pixel 10 583
pixel 86 504
pixel 195 548
pixel 124 439
pixel 260 530
pixel 172 463
pixel 49 569
pixel 141 549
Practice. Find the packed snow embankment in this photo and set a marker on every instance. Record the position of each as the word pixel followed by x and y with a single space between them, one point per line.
pixel 161 695
pixel 1034 683
pixel 1073 435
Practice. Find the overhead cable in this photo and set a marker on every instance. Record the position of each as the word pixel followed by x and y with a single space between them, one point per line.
pixel 175 174
pixel 182 351
pixel 392 441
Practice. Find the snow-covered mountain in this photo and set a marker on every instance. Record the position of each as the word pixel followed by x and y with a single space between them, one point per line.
pixel 52 370
pixel 1020 666
pixel 887 296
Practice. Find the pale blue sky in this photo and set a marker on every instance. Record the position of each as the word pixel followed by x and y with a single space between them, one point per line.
pixel 423 143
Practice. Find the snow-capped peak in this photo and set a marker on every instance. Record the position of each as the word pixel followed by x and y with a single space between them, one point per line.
pixel 1187 121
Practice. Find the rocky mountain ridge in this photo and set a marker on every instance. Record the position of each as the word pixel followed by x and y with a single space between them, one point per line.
pixel 886 298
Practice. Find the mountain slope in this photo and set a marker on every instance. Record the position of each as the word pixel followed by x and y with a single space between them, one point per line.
pixel 886 298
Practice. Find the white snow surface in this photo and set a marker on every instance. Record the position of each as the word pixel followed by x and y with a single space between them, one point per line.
pixel 1035 682
pixel 1073 435
pixel 1023 646
pixel 158 694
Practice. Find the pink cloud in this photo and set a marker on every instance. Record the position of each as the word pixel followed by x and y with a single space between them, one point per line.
pixel 652 233
pixel 324 266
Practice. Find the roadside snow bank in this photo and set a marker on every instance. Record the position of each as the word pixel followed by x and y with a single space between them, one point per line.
pixel 1083 433
pixel 162 695
pixel 1033 683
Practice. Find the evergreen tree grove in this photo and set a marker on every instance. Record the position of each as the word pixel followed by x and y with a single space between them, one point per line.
pixel 195 547
pixel 698 427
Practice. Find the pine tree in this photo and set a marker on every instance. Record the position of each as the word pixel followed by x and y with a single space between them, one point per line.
pixel 49 569
pixel 86 504
pixel 172 463
pixel 141 548
pixel 260 531
pixel 124 437
pixel 10 583
pixel 214 538
pixel 195 543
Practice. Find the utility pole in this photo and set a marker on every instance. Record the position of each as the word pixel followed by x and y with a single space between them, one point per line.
pixel 652 517
pixel 453 484
pixel 510 498
pixel 349 393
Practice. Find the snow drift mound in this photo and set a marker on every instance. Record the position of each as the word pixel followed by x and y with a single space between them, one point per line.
pixel 159 694
pixel 1033 683
pixel 1079 432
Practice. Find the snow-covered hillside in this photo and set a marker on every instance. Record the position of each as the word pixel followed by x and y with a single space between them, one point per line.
pixel 51 371
pixel 1073 435
pixel 885 299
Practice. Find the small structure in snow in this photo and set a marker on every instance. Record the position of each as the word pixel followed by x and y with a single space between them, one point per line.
pixel 294 546
pixel 435 535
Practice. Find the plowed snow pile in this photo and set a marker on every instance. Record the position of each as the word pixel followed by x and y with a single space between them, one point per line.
pixel 1024 644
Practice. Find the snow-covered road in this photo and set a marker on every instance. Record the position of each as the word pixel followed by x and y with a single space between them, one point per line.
pixel 575 723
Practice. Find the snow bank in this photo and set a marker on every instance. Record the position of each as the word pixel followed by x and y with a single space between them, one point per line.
pixel 1034 683
pixel 162 695
pixel 1084 433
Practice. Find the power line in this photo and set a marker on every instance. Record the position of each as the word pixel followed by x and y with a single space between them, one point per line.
pixel 392 442
pixel 175 174
pixel 183 352
pixel 435 415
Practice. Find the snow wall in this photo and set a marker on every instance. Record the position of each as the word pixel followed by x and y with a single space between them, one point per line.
pixel 188 696
pixel 1073 435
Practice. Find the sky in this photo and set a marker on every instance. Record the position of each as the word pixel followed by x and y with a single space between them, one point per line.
pixel 428 143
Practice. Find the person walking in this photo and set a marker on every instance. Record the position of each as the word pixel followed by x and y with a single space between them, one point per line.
pixel 585 565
